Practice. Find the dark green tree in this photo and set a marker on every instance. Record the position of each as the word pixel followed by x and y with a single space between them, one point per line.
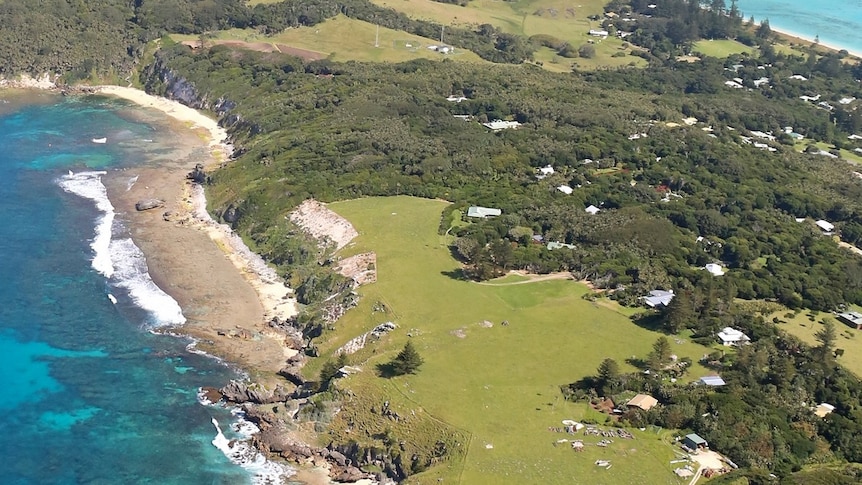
pixel 607 376
pixel 660 355
pixel 330 369
pixel 826 337
pixel 407 361
pixel 679 313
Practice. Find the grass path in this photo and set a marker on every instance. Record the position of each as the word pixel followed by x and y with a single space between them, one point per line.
pixel 530 278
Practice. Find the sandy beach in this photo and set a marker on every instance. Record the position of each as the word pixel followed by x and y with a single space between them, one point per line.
pixel 227 293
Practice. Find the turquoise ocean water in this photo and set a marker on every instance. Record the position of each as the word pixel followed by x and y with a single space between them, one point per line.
pixel 89 393
pixel 838 23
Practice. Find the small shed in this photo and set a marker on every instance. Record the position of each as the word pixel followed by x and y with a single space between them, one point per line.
pixel 854 319
pixel 694 442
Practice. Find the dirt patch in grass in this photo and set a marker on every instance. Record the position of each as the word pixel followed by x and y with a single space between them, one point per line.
pixel 303 53
pixel 361 268
pixel 323 224
pixel 260 47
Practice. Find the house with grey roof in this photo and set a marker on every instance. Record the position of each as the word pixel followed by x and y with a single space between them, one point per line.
pixel 658 298
pixel 483 212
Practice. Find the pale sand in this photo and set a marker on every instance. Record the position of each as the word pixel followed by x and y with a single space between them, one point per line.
pixel 227 293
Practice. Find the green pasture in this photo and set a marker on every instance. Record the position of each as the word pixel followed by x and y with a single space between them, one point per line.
pixel 848 155
pixel 345 39
pixel 563 20
pixel 807 323
pixel 497 383
pixel 721 48
pixel 349 39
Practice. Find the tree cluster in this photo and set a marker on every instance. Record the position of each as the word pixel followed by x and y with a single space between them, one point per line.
pixel 763 418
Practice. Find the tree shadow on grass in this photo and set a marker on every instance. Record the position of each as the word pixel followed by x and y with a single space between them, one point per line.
pixel 649 320
pixel 387 370
pixel 456 274
pixel 637 362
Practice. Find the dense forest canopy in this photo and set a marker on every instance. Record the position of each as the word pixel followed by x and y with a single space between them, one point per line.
pixel 99 38
pixel 342 132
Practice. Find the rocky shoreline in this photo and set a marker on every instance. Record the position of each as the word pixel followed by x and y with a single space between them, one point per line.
pixel 237 308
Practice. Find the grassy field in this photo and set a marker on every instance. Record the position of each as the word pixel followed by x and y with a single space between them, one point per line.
pixel 345 39
pixel 721 48
pixel 805 324
pixel 847 155
pixel 560 19
pixel 498 384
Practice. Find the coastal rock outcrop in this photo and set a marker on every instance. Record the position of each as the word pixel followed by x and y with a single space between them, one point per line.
pixel 147 204
pixel 197 175
pixel 240 392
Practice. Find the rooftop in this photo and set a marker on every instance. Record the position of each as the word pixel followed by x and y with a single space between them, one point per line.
pixel 483 212
pixel 712 381
pixel 658 298
pixel 643 401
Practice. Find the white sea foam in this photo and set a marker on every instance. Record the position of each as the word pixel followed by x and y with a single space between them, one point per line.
pixel 240 452
pixel 131 183
pixel 121 260
pixel 89 186
pixel 131 273
pixel 202 397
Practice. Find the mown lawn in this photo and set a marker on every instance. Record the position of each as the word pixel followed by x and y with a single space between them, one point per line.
pixel 721 48
pixel 807 323
pixel 499 383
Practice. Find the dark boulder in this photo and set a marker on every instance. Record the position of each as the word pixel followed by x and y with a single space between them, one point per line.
pixel 197 175
pixel 147 204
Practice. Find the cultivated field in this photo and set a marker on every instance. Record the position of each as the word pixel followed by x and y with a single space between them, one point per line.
pixel 721 48
pixel 497 384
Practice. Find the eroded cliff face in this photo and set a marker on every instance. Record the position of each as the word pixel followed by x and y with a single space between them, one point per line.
pixel 161 80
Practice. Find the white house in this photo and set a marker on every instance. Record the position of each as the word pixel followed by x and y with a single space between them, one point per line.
pixel 846 100
pixel 456 99
pixel 483 212
pixel 598 33
pixel 798 77
pixel 761 82
pixel 731 336
pixel 714 269
pixel 565 189
pixel 733 84
pixel 825 226
pixel 823 409
pixel 658 298
pixel 547 170
pixel 592 210
pixel 714 381
pixel 498 125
